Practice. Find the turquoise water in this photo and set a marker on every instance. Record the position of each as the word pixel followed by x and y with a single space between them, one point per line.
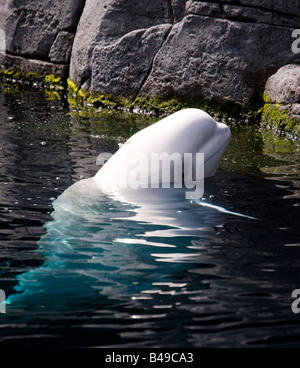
pixel 82 269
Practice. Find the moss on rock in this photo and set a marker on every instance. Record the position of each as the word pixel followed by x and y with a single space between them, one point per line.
pixel 278 118
pixel 15 82
pixel 87 102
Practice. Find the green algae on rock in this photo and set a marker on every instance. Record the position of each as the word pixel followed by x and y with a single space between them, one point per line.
pixel 14 81
pixel 87 103
pixel 282 100
pixel 278 117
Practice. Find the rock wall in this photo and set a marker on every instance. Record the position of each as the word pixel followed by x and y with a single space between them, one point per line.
pixel 39 34
pixel 223 49
pixel 220 49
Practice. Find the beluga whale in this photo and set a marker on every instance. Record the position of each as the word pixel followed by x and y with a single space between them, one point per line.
pixel 181 149
pixel 147 196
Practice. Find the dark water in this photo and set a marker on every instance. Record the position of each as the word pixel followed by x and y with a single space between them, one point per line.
pixel 89 271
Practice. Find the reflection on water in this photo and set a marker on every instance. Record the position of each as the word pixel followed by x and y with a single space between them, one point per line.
pixel 165 273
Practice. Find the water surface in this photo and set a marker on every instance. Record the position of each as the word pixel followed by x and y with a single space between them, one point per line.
pixel 87 270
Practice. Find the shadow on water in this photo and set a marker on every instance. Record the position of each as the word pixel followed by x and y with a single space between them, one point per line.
pixel 167 273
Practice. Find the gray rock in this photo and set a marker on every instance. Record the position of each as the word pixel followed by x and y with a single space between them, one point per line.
pixel 90 29
pixel 25 65
pixel 282 93
pixel 247 14
pixel 178 9
pixel 204 8
pixel 104 22
pixel 61 48
pixel 205 56
pixel 266 4
pixel 214 49
pixel 284 86
pixel 290 7
pixel 31 27
pixel 133 56
pixel 224 49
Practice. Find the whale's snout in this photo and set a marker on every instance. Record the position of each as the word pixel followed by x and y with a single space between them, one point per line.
pixel 224 132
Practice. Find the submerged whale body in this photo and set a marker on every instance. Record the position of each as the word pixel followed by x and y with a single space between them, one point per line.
pixel 189 131
pixel 98 249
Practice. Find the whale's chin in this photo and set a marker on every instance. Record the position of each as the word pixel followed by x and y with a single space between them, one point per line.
pixel 212 163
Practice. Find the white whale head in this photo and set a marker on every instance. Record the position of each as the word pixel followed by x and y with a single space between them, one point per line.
pixel 176 139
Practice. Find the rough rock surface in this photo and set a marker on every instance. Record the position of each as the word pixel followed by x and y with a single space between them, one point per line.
pixel 103 23
pixel 125 76
pixel 40 30
pixel 224 49
pixel 282 92
pixel 284 86
pixel 229 61
pixel 25 65
pixel 61 48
